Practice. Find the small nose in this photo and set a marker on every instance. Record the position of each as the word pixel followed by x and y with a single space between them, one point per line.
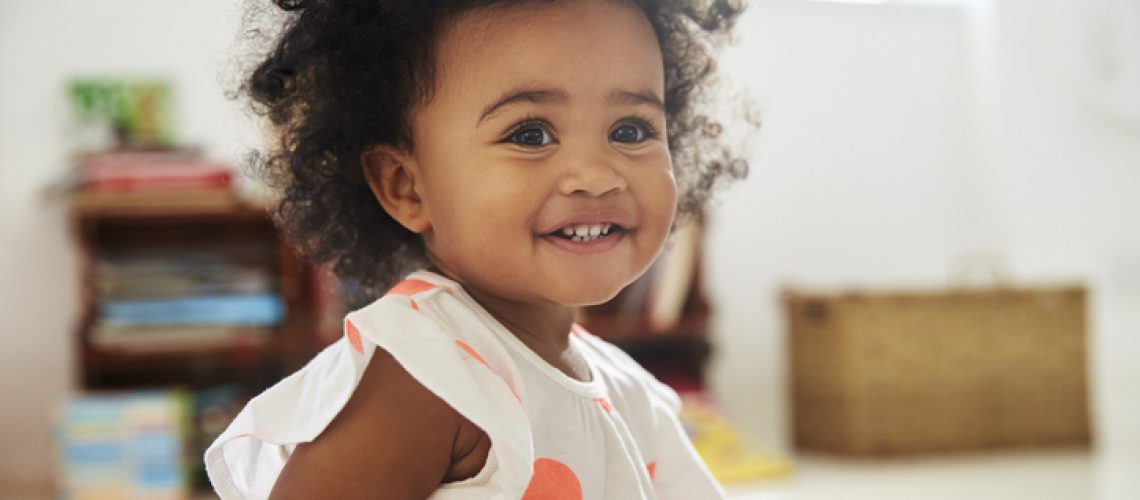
pixel 592 175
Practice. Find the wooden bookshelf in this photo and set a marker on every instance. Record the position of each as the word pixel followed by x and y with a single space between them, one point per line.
pixel 203 220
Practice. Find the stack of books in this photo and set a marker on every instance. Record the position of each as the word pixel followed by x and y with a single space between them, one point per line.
pixel 128 445
pixel 185 298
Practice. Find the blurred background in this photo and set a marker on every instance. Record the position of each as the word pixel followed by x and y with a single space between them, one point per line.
pixel 928 287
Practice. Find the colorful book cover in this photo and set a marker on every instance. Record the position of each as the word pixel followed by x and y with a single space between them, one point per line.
pixel 123 445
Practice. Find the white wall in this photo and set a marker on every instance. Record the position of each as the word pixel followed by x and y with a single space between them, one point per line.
pixel 899 138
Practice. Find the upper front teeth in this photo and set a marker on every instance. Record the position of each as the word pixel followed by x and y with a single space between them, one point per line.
pixel 584 231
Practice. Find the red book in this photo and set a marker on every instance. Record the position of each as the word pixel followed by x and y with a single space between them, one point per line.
pixel 143 171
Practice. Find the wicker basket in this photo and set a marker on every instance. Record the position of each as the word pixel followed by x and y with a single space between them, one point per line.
pixel 906 373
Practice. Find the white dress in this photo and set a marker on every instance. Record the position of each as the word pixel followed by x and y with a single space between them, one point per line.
pixel 552 436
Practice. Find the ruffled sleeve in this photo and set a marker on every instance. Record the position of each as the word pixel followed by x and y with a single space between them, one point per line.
pixel 475 378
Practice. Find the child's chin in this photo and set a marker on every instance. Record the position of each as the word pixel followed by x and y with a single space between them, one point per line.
pixel 591 296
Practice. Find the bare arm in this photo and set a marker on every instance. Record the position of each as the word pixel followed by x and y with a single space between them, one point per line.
pixel 393 439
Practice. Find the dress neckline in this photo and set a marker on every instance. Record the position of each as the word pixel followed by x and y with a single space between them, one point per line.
pixel 593 388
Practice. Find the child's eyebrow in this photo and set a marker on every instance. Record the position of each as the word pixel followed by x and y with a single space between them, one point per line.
pixel 537 96
pixel 619 96
pixel 540 96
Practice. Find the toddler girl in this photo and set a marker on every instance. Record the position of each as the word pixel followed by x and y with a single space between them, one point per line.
pixel 485 168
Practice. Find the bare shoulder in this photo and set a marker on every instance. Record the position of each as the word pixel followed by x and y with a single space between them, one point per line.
pixel 393 439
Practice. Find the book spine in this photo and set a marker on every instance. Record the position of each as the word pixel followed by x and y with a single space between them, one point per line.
pixel 213 180
pixel 252 309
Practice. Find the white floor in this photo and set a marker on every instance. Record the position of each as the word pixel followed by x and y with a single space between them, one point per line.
pixel 1053 475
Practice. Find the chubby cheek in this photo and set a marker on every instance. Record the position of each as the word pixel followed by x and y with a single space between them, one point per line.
pixel 481 223
pixel 659 202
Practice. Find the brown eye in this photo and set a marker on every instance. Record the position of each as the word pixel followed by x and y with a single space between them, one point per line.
pixel 627 134
pixel 633 131
pixel 530 133
pixel 532 136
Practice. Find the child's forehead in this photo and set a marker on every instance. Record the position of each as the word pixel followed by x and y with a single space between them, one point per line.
pixel 495 14
pixel 530 41
pixel 534 19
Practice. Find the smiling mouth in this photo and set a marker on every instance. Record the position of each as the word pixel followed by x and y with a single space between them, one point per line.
pixel 587 233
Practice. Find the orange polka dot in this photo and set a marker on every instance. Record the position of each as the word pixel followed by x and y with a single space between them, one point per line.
pixel 410 287
pixel 553 480
pixel 415 305
pixel 605 404
pixel 652 468
pixel 353 335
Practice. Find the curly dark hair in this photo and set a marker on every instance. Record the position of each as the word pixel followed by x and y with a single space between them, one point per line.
pixel 332 66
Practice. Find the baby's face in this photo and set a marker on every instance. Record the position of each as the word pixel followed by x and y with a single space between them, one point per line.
pixel 546 117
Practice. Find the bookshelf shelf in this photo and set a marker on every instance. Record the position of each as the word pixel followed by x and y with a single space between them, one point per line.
pixel 165 204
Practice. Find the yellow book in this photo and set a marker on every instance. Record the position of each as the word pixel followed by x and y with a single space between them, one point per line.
pixel 729 456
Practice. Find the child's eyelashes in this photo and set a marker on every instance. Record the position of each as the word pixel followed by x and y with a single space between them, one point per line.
pixel 537 132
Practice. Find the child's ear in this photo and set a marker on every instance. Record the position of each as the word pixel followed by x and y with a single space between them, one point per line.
pixel 391 176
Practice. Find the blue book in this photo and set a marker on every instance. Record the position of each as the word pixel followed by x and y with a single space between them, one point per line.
pixel 249 310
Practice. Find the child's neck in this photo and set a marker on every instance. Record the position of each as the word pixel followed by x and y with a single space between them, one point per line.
pixel 544 328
